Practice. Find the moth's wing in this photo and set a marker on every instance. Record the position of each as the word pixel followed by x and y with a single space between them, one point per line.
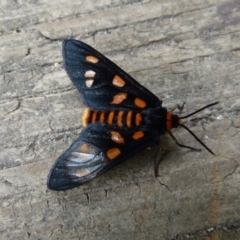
pixel 99 80
pixel 98 149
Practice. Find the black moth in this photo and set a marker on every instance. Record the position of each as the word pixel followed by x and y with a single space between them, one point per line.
pixel 122 118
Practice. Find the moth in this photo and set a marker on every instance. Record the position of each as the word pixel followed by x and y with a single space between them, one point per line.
pixel 122 118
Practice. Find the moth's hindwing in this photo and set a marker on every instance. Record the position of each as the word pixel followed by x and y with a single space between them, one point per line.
pixel 102 83
pixel 98 149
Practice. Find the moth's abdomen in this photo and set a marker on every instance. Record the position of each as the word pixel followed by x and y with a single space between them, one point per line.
pixel 120 118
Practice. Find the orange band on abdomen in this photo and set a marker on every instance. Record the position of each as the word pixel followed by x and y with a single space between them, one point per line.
pixel 86 116
pixel 169 121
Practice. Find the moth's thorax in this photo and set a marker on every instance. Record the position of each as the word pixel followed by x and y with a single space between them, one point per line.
pixel 119 118
pixel 155 119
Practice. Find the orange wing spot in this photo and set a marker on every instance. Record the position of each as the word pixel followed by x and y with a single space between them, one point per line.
pixel 102 117
pixel 82 172
pixel 91 59
pixel 119 118
pixel 119 98
pixel 116 137
pixel 117 81
pixel 89 74
pixel 89 82
pixel 110 118
pixel 129 119
pixel 83 149
pixel 113 153
pixel 94 116
pixel 138 119
pixel 137 135
pixel 140 103
pixel 85 117
pixel 169 121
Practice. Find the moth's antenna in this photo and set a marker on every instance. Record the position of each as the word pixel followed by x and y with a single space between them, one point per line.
pixel 199 110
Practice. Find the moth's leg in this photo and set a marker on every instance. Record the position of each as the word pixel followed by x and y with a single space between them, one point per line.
pixel 162 150
pixel 182 145
pixel 160 154
pixel 179 107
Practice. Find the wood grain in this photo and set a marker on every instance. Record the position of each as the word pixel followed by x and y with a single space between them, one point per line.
pixel 183 51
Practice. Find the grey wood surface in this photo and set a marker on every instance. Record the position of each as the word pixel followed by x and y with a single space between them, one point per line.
pixel 183 51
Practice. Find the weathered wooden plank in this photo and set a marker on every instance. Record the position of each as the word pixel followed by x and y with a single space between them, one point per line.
pixel 180 50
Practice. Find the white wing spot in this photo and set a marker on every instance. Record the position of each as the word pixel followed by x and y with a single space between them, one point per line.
pixel 89 82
